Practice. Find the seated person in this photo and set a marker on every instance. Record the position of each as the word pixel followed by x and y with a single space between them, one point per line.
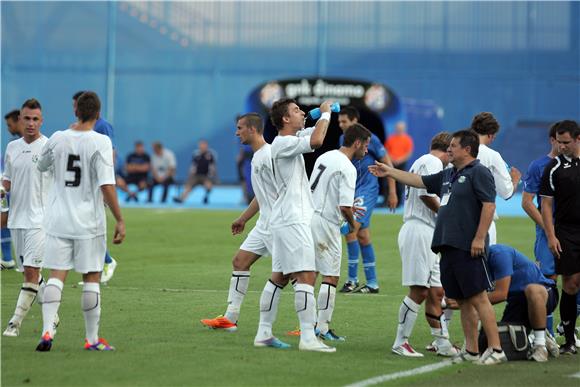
pixel 530 296
pixel 163 170
pixel 137 167
pixel 203 172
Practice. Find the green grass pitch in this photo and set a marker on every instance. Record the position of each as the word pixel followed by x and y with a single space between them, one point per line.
pixel 174 270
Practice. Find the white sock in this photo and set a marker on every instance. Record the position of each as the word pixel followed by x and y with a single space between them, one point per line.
pixel 326 297
pixel 50 305
pixel 407 317
pixel 26 297
pixel 540 337
pixel 238 288
pixel 41 286
pixel 91 305
pixel 268 310
pixel 448 312
pixel 305 304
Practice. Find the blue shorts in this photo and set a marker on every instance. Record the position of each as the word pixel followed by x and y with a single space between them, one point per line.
pixel 367 200
pixel 516 310
pixel 462 275
pixel 544 256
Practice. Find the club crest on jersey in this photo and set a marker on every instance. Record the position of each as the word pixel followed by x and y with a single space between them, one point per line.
pixel 461 179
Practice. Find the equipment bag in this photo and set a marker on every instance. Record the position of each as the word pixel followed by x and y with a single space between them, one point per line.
pixel 513 339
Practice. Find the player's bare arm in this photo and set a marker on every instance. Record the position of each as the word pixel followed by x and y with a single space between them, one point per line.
pixel 239 224
pixel 548 219
pixel 478 243
pixel 407 178
pixel 432 203
pixel 392 199
pixel 531 209
pixel 348 215
pixel 319 133
pixel 110 197
pixel 500 292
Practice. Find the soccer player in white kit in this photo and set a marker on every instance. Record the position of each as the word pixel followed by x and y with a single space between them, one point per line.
pixel 250 130
pixel 333 182
pixel 506 180
pixel 75 222
pixel 292 212
pixel 421 265
pixel 28 188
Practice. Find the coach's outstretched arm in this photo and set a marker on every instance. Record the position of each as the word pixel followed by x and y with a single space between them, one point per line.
pixel 407 178
pixel 319 133
pixel 110 197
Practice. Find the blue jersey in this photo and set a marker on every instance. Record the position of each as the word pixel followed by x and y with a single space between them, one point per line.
pixel 365 181
pixel 506 261
pixel 103 127
pixel 533 177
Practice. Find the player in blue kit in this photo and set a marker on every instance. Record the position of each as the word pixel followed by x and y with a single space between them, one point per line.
pixel 529 295
pixel 102 127
pixel 366 195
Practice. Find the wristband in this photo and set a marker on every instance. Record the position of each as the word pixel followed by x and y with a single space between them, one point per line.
pixel 325 116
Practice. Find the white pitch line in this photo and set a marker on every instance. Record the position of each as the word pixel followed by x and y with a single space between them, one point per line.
pixel 401 374
pixel 576 375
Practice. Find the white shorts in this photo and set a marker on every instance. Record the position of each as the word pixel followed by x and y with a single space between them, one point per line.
pixel 327 246
pixel 82 255
pixel 420 264
pixel 293 248
pixel 28 246
pixel 492 233
pixel 259 242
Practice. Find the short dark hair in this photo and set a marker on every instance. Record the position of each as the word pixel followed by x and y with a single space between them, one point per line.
pixel 468 138
pixel 14 115
pixel 350 112
pixel 32 104
pixel 441 141
pixel 253 120
pixel 88 106
pixel 77 95
pixel 279 110
pixel 567 126
pixel 485 123
pixel 356 132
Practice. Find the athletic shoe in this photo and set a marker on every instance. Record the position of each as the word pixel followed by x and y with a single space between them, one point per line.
pixel 406 350
pixel 551 345
pixel 272 342
pixel 447 350
pixel 177 200
pixel 348 287
pixel 491 357
pixel 365 289
pixel 560 332
pixel 330 336
pixel 45 343
pixel 108 271
pixel 12 330
pixel 431 347
pixel 568 349
pixel 100 345
pixel 295 332
pixel 315 346
pixel 7 265
pixel 220 322
pixel 538 353
pixel 465 356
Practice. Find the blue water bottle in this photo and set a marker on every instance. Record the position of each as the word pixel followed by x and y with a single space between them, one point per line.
pixel 315 113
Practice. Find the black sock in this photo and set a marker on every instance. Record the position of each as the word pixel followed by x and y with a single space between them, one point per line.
pixel 568 315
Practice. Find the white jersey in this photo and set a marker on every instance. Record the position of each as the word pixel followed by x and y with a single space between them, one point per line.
pixel 332 182
pixel 263 184
pixel 414 206
pixel 294 204
pixel 82 163
pixel 29 187
pixel 498 167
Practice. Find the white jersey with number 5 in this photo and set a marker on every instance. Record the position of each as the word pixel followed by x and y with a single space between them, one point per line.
pixel 332 182
pixel 83 162
pixel 294 203
pixel 28 187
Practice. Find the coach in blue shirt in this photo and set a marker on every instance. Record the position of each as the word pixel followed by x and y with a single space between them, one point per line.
pixel 467 194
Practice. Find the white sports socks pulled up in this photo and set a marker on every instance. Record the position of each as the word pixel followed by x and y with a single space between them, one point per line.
pixel 407 317
pixel 50 304
pixel 238 288
pixel 91 305
pixel 26 298
pixel 305 304
pixel 326 298
pixel 268 310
